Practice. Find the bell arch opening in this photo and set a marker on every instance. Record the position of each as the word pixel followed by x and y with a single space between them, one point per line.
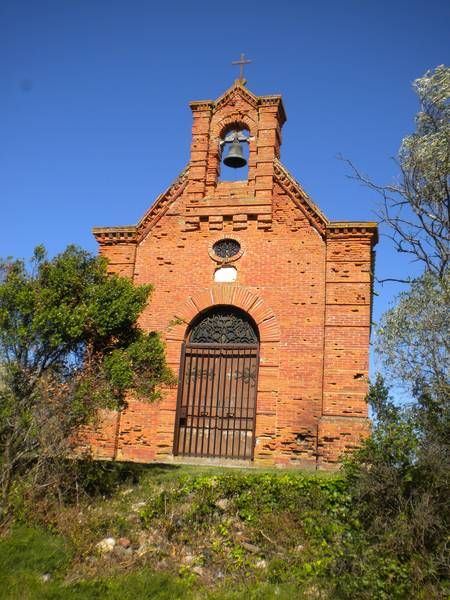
pixel 217 389
pixel 234 153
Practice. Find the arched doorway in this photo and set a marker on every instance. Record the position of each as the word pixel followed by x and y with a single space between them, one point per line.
pixel 216 404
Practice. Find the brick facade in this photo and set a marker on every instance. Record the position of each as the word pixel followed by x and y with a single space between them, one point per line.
pixel 305 281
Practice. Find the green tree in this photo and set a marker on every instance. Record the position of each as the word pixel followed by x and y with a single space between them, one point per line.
pixel 412 338
pixel 399 478
pixel 398 484
pixel 70 344
pixel 416 208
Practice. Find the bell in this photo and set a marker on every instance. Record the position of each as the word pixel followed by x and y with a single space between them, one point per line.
pixel 235 157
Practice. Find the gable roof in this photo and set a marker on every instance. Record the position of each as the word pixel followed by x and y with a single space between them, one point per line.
pixel 135 233
pixel 295 191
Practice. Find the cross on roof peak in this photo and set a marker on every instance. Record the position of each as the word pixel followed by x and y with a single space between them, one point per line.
pixel 241 62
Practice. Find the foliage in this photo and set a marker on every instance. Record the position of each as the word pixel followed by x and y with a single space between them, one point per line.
pixel 300 535
pixel 409 451
pixel 28 555
pixel 398 480
pixel 425 163
pixel 252 495
pixel 69 345
pixel 416 209
pixel 398 483
pixel 413 337
pixel 208 513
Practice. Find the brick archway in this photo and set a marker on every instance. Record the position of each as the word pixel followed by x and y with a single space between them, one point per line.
pixel 242 298
pixel 217 386
pixel 269 350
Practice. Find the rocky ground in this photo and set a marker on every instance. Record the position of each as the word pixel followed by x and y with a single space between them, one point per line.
pixel 217 532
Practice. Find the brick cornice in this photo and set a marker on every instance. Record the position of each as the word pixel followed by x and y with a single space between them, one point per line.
pixel 325 227
pixel 201 105
pixel 126 234
pixel 274 100
pixel 344 418
pixel 353 229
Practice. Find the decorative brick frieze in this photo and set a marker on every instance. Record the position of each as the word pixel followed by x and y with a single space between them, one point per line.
pixel 127 234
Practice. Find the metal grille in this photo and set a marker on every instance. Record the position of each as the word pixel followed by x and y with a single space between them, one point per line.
pixel 226 248
pixel 217 401
pixel 223 326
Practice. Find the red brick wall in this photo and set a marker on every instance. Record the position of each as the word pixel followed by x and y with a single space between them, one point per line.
pixel 305 281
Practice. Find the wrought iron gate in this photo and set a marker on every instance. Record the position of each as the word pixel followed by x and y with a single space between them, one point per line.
pixel 217 389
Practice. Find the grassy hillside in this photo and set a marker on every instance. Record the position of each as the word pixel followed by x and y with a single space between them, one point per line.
pixel 194 533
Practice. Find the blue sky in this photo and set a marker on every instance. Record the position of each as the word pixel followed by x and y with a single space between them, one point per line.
pixel 94 116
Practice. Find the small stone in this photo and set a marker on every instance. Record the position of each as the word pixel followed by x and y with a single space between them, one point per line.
pixel 251 547
pixel 223 503
pixel 106 545
pixel 198 570
pixel 124 542
pixel 137 506
pixel 261 564
pixel 46 577
pixel 188 559
pixel 299 548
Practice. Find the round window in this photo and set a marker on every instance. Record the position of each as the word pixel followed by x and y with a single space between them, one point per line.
pixel 226 248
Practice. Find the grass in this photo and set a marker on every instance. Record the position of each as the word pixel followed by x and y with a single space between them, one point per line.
pixel 201 533
pixel 27 554
pixel 196 533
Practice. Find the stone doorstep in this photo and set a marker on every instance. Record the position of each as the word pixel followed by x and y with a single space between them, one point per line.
pixel 206 462
pixel 305 465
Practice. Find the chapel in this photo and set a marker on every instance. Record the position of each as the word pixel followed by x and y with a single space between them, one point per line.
pixel 264 305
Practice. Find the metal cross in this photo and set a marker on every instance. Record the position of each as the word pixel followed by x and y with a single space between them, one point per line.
pixel 241 62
